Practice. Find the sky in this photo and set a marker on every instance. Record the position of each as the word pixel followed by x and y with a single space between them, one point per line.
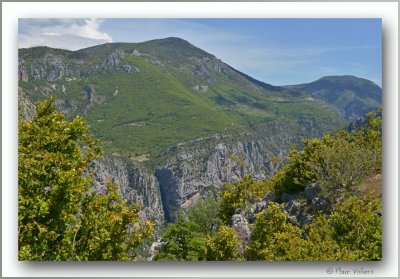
pixel 275 51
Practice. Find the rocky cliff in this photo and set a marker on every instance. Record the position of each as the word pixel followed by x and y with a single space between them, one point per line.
pixel 135 185
pixel 194 173
pixel 176 122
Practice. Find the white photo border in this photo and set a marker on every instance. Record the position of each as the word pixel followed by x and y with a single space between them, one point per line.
pixel 11 12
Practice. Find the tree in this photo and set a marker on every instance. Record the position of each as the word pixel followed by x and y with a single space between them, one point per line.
pixel 342 165
pixel 235 195
pixel 109 227
pixel 204 214
pixel 357 227
pixel 182 242
pixel 273 238
pixel 339 162
pixel 59 215
pixel 224 246
pixel 319 243
pixel 186 238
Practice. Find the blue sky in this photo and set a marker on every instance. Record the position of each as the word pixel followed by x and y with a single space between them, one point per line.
pixel 276 51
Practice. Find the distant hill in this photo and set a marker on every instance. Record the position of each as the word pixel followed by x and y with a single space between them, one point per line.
pixel 176 122
pixel 352 95
pixel 141 98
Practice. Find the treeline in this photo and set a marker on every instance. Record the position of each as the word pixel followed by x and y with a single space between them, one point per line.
pixel 349 228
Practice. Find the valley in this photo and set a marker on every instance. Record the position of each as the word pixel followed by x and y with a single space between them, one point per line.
pixel 176 123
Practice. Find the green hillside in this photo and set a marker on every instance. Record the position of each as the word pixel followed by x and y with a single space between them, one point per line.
pixel 140 99
pixel 354 96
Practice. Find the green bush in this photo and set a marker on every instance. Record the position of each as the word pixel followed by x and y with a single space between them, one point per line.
pixel 223 246
pixel 59 216
pixel 185 239
pixel 339 162
pixel 236 195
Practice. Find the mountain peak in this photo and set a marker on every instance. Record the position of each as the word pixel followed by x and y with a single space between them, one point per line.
pixel 343 78
pixel 355 96
pixel 175 41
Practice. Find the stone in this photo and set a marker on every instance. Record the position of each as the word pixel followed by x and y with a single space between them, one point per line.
pixel 135 185
pixel 249 215
pixel 240 224
pixel 312 190
pixel 285 197
pixel 320 203
pixel 130 68
pixel 200 88
pixel 297 213
pixel 135 52
pixel 260 206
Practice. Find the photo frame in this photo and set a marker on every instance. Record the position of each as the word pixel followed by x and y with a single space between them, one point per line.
pixel 211 10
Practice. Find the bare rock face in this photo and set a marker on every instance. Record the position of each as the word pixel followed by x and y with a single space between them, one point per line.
pixel 135 185
pixel 312 191
pixel 206 67
pixel 55 67
pixel 26 108
pixel 297 212
pixel 240 224
pixel 51 67
pixel 113 60
pixel 136 53
pixel 192 170
pixel 130 68
pixel 200 88
pixel 22 72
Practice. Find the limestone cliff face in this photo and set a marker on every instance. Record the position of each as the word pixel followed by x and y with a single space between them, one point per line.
pixel 26 109
pixel 135 185
pixel 186 171
pixel 185 177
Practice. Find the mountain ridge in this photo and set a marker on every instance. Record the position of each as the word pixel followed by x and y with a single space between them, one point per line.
pixel 180 118
pixel 355 96
pixel 201 79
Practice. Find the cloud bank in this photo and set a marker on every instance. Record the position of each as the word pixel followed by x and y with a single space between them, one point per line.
pixel 71 34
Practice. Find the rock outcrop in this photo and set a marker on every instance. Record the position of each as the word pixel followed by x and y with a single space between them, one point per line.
pixel 192 170
pixel 135 185
pixel 26 109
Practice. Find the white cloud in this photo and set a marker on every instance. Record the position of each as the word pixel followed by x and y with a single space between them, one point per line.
pixel 69 34
pixel 267 60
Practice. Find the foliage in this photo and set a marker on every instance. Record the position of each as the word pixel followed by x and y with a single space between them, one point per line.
pixel 319 243
pixel 223 246
pixel 270 231
pixel 235 195
pixel 58 214
pixel 186 238
pixel 353 232
pixel 357 227
pixel 182 242
pixel 158 102
pixel 339 161
pixel 204 213
pixel 110 228
pixel 342 165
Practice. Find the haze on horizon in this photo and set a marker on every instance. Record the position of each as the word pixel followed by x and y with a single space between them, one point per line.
pixel 276 51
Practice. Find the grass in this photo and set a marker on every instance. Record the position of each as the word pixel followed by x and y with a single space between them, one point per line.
pixel 156 107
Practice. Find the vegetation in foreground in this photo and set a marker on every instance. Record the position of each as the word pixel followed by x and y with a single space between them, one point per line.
pixel 348 229
pixel 61 218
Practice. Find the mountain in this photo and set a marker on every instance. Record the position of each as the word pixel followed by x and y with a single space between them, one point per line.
pixel 352 95
pixel 175 122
